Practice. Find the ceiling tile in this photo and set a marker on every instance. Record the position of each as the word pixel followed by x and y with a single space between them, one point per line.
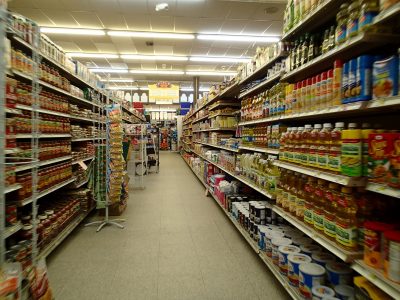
pixel 36 15
pixel 136 6
pixel 165 23
pixel 60 18
pixel 20 4
pixel 49 4
pixel 138 22
pixel 274 29
pixel 256 27
pixel 87 19
pixel 240 10
pixel 77 5
pixel 189 8
pixel 106 47
pixel 118 65
pixel 199 51
pixel 163 50
pixel 233 26
pixel 103 5
pixel 186 24
pixel 210 25
pixel 68 46
pixel 260 13
pixel 217 51
pixel 112 20
pixel 215 9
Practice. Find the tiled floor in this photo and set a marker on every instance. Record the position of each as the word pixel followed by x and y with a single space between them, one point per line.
pixel 177 244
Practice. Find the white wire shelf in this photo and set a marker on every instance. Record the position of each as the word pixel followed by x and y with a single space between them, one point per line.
pixel 240 178
pixel 10 230
pixel 377 278
pixel 12 188
pixel 42 135
pixel 264 84
pixel 63 234
pixel 44 111
pixel 20 168
pixel 46 192
pixel 356 108
pixel 216 129
pixel 260 149
pixel 347 256
pixel 219 147
pixel 267 261
pixel 336 178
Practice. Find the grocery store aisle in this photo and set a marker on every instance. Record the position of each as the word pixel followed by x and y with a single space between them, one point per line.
pixel 177 244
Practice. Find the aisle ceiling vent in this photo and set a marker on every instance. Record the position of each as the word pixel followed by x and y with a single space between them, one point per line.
pixel 162 7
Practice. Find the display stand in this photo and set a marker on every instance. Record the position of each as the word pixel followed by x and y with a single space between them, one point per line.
pixel 110 183
pixel 138 135
pixel 153 149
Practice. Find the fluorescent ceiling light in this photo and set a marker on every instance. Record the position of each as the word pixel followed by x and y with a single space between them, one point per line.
pixel 160 72
pixel 73 31
pixel 109 70
pixel 210 73
pixel 117 80
pixel 238 38
pixel 92 55
pixel 154 57
pixel 143 34
pixel 222 59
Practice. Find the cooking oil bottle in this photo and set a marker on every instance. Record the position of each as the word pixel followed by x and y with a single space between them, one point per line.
pixel 324 137
pixel 346 219
pixel 299 211
pixel 308 203
pixel 279 187
pixel 293 193
pixel 335 148
pixel 330 210
pixel 314 142
pixel 286 189
pixel 319 204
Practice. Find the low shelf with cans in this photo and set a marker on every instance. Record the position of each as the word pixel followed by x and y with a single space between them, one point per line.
pixel 322 142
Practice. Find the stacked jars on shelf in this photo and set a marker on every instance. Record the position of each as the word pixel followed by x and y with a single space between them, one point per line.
pixel 47 149
pixel 263 136
pixel 47 123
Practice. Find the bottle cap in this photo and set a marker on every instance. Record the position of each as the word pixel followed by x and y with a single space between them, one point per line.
pixel 317 126
pixel 330 73
pixel 352 125
pixel 339 124
pixel 337 64
pixel 307 126
pixel 327 125
pixel 323 76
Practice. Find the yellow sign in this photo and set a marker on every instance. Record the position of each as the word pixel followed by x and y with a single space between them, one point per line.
pixel 163 93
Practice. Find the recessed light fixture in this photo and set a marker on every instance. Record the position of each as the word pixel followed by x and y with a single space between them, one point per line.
pixel 144 34
pixel 238 38
pixel 157 72
pixel 92 55
pixel 221 59
pixel 154 57
pixel 72 31
pixel 210 73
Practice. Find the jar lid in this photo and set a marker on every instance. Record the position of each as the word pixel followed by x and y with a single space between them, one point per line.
pixel 27 227
pixel 42 217
pixel 49 212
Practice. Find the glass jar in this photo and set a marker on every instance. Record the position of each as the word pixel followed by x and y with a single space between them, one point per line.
pixel 369 10
pixel 341 28
pixel 352 20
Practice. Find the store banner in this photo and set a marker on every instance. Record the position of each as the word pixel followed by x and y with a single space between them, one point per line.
pixel 163 93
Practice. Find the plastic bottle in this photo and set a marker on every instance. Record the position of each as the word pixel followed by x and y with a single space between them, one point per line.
pixel 286 190
pixel 308 201
pixel 293 193
pixel 330 210
pixel 329 87
pixel 346 219
pixel 324 138
pixel 279 188
pixel 305 139
pixel 337 82
pixel 300 197
pixel 365 131
pixel 351 163
pixel 307 103
pixel 303 95
pixel 313 143
pixel 291 149
pixel 298 145
pixel 317 92
pixel 335 148
pixel 319 204
pixel 322 97
pixel 364 212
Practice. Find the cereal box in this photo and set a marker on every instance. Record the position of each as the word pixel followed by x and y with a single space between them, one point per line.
pixel 384 158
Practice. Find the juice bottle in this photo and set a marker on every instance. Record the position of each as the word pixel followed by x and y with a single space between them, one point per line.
pixel 301 194
pixel 286 190
pixel 293 193
pixel 305 147
pixel 330 210
pixel 365 131
pixel 282 145
pixel 313 144
pixel 324 137
pixel 364 212
pixel 279 187
pixel 292 144
pixel 351 164
pixel 308 201
pixel 319 204
pixel 335 148
pixel 346 219
pixel 274 174
pixel 298 145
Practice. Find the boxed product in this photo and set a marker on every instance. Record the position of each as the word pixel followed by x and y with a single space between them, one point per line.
pixel 386 77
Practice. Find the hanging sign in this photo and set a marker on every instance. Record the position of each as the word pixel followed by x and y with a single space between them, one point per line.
pixel 163 93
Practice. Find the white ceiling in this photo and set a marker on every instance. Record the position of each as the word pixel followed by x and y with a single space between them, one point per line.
pixel 184 16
